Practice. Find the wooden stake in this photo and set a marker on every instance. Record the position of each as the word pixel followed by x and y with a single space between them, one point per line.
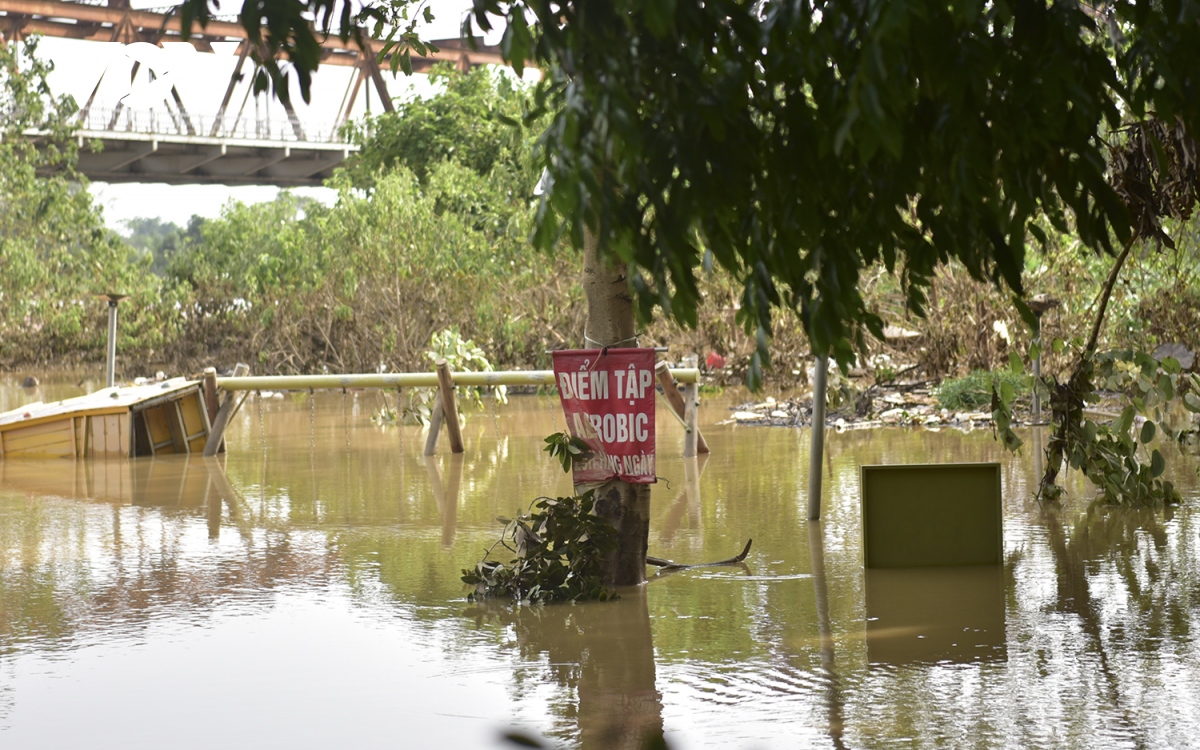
pixel 690 402
pixel 449 409
pixel 435 426
pixel 676 400
pixel 210 393
pixel 216 436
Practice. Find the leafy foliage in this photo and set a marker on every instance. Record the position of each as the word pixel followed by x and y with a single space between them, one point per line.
pixel 55 252
pixel 974 391
pixel 566 449
pixel 1119 456
pixel 162 240
pixel 472 121
pixel 285 30
pixel 797 144
pixel 559 549
pixel 461 355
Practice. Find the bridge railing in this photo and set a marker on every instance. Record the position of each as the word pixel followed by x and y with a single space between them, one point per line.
pixel 163 122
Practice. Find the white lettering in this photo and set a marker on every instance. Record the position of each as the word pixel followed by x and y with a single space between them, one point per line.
pixel 600 384
pixel 583 427
pixel 646 379
pixel 641 431
pixel 564 385
pixel 609 432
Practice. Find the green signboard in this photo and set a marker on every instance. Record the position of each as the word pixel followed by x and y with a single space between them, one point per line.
pixel 930 615
pixel 919 515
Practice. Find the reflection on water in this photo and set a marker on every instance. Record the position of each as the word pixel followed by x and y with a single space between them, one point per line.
pixel 599 655
pixel 935 615
pixel 303 591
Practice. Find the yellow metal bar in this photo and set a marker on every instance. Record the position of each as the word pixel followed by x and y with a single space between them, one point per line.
pixel 404 380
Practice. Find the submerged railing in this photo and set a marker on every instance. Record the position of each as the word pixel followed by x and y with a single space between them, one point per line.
pixel 682 405
pixel 390 380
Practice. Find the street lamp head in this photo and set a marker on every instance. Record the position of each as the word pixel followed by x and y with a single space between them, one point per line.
pixel 112 298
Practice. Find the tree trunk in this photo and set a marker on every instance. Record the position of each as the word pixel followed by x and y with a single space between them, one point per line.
pixel 1067 400
pixel 610 323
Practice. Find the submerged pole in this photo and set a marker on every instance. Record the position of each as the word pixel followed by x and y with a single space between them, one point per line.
pixel 1036 411
pixel 110 366
pixel 817 448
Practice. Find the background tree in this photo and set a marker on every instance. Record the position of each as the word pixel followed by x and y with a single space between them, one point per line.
pixel 161 240
pixel 55 252
pixel 468 121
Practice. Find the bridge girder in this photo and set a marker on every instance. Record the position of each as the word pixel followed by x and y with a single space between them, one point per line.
pixel 201 160
pixel 121 24
pixel 223 151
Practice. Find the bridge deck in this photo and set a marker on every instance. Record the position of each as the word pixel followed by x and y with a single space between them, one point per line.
pixel 192 159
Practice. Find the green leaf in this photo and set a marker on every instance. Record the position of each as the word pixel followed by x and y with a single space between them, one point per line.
pixel 1148 430
pixel 1157 464
pixel 1191 401
pixel 659 16
pixel 1125 421
pixel 1015 364
pixel 1037 232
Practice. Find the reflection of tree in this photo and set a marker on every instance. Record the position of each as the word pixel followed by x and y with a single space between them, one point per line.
pixel 1113 535
pixel 1134 542
pixel 604 654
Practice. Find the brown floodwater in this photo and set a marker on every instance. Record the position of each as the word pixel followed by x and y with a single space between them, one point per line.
pixel 303 592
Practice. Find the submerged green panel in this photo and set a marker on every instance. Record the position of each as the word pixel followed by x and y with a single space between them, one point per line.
pixel 936 614
pixel 931 514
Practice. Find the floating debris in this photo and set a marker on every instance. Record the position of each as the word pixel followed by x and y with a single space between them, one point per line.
pixel 901 405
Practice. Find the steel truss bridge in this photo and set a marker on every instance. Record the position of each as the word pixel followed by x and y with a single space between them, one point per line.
pixel 173 144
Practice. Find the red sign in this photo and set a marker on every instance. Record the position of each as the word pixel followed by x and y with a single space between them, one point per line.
pixel 608 398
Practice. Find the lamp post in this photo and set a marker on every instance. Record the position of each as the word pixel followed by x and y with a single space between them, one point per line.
pixel 110 370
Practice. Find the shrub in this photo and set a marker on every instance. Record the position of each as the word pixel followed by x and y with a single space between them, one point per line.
pixel 974 391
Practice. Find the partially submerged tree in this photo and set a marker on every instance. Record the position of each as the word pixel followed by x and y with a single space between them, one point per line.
pixel 797 143
pixel 1155 170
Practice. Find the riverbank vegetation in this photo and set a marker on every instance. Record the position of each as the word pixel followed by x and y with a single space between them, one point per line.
pixel 429 231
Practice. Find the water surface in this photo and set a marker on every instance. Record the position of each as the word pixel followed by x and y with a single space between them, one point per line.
pixel 303 591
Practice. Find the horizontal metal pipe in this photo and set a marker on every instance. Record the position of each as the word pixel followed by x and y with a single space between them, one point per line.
pixel 389 380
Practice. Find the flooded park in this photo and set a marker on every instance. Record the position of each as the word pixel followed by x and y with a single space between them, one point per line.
pixel 303 590
pixel 851 346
